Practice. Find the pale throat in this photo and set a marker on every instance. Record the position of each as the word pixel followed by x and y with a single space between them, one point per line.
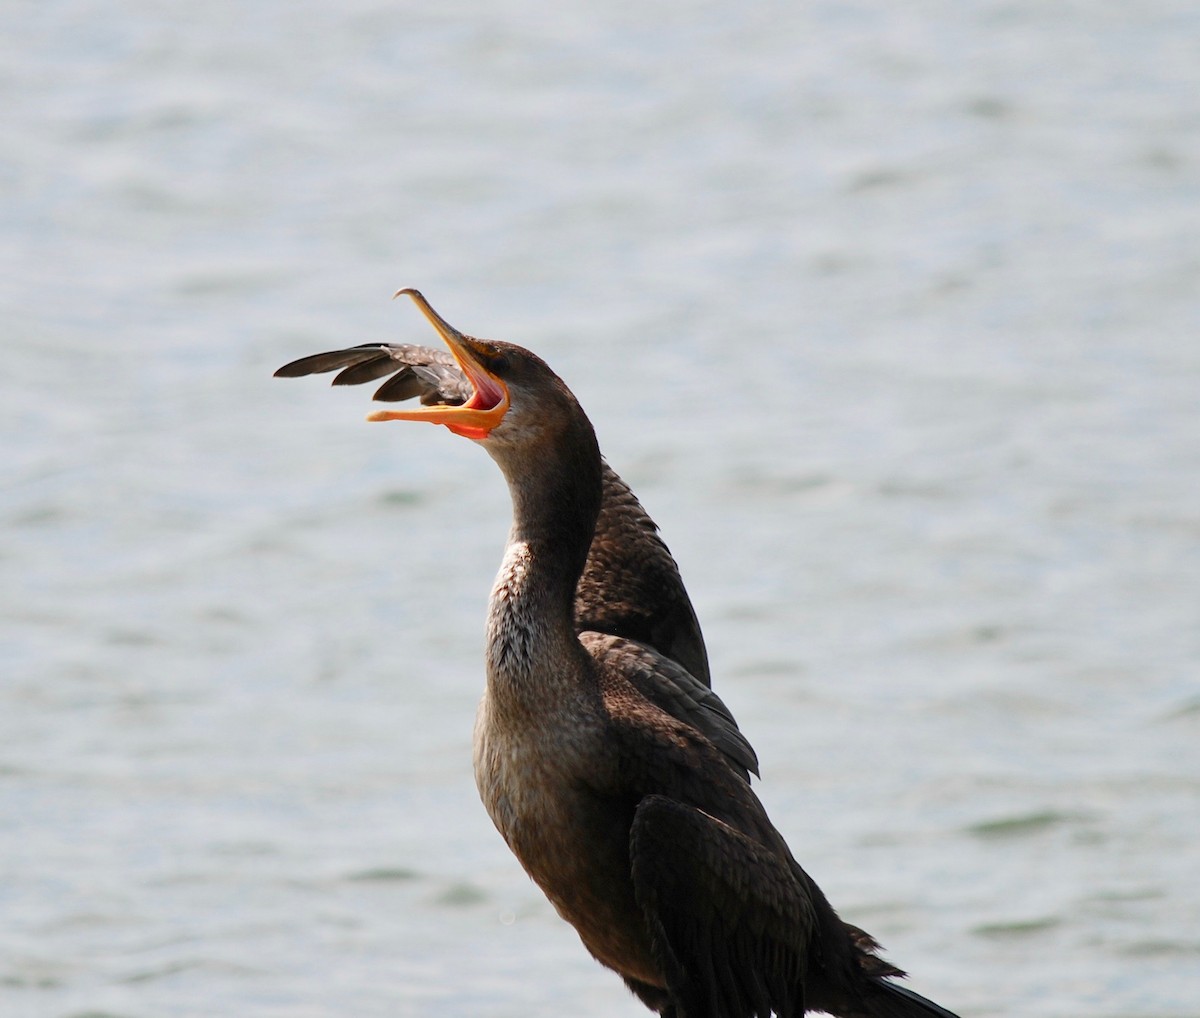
pixel 530 635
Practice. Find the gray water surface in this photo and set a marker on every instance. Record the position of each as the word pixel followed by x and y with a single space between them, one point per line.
pixel 891 315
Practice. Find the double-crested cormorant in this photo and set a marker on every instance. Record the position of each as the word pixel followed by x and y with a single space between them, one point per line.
pixel 618 779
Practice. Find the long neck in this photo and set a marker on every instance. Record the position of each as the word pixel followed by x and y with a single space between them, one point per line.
pixel 532 647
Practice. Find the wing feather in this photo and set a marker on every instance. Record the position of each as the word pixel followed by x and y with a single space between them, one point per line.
pixel 632 587
pixel 368 369
pixel 729 920
pixel 673 689
pixel 422 371
pixel 319 363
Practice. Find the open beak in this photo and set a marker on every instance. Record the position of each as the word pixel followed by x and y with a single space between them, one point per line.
pixel 488 403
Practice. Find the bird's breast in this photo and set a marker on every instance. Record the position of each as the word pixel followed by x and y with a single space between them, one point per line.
pixel 536 773
pixel 551 795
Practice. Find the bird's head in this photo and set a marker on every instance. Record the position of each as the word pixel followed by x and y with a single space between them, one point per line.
pixel 516 402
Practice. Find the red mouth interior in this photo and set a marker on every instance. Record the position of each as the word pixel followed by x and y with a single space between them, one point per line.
pixel 487 394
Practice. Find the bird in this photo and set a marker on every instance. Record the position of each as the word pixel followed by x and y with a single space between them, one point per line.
pixel 614 773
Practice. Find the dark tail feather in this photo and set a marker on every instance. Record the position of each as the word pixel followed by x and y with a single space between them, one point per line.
pixel 891 1000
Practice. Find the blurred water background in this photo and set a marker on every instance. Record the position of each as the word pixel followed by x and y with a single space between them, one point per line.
pixel 889 312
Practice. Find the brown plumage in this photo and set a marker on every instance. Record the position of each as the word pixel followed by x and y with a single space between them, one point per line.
pixel 616 776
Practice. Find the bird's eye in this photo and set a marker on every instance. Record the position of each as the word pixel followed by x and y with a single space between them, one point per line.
pixel 498 364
